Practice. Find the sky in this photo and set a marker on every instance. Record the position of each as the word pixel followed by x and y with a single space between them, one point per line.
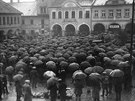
pixel 20 0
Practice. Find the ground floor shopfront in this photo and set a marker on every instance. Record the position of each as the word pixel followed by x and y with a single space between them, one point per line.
pixel 83 29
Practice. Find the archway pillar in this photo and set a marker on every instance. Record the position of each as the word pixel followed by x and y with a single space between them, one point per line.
pixel 76 32
pixel 63 32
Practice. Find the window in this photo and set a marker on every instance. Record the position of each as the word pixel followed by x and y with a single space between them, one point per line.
pixel 31 22
pixel 80 14
pixel 14 20
pixel 53 15
pixel 32 31
pixel 11 20
pixel 7 20
pixel 43 10
pixel 0 21
pixel 87 15
pixel 96 13
pixel 18 20
pixel 127 13
pixel 118 13
pixel 73 14
pixel 103 14
pixel 111 13
pixel 23 21
pixel 66 14
pixel 4 21
pixel 23 31
pixel 59 15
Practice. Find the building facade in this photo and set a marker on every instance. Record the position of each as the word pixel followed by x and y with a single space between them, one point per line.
pixel 70 17
pixel 10 20
pixel 111 15
pixel 35 19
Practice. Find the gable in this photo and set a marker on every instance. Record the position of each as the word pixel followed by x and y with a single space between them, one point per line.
pixel 70 4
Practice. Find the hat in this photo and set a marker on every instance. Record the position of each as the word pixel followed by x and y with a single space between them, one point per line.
pixel 27 81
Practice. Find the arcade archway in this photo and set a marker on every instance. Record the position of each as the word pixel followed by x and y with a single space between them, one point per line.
pixel 10 33
pixel 128 28
pixel 2 36
pixel 99 28
pixel 70 30
pixel 84 30
pixel 114 28
pixel 57 30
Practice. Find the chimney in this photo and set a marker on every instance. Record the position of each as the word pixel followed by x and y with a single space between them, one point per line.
pixel 11 1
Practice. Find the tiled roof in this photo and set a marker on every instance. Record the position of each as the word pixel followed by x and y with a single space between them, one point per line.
pixel 6 8
pixel 102 2
pixel 27 8
pixel 58 3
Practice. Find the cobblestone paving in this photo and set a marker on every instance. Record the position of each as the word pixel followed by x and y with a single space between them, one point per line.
pixel 126 96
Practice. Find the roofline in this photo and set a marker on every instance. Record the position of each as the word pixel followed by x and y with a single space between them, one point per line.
pixel 111 5
pixel 11 13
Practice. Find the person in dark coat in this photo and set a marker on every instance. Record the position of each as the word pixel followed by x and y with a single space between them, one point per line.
pixel 4 84
pixel 53 92
pixel 118 87
pixel 96 92
pixel 0 89
pixel 105 84
pixel 18 87
pixel 62 90
pixel 78 84
pixel 34 77
pixel 118 90
pixel 27 91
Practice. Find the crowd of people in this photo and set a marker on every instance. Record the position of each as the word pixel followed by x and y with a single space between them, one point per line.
pixel 24 63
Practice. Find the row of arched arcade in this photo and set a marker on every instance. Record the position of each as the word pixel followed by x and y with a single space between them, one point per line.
pixel 70 30
pixel 84 29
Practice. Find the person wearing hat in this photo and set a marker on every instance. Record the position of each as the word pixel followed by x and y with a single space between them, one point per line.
pixel 27 91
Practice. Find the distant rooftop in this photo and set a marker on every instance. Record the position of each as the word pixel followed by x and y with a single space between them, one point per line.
pixel 103 2
pixel 6 8
pixel 27 8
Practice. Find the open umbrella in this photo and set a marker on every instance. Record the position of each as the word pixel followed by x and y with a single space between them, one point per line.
pixel 108 71
pixel 84 65
pixel 120 51
pixel 95 76
pixel 98 69
pixel 79 75
pixel 117 57
pixel 88 70
pixel 38 63
pixel 94 79
pixel 64 65
pixel 51 65
pixel 9 70
pixel 73 66
pixel 18 77
pixel 117 73
pixel 49 74
pixel 122 65
pixel 52 81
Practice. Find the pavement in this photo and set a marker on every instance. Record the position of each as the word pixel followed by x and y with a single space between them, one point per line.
pixel 126 95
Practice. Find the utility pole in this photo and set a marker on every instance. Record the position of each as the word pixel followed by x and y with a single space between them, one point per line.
pixel 131 44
